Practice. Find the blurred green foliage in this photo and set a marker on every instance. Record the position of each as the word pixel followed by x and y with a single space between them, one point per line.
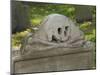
pixel 89 31
pixel 38 11
pixel 18 37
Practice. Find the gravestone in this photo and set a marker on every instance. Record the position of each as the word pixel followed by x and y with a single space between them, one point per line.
pixel 20 16
pixel 83 13
pixel 58 45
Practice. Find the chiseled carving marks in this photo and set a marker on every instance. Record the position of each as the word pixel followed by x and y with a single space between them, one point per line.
pixel 55 31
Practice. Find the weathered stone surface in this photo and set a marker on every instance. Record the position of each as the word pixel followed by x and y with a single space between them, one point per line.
pixel 74 61
pixel 58 45
pixel 49 36
pixel 59 26
pixel 49 52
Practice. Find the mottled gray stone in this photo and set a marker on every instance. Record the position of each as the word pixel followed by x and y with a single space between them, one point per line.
pixel 51 49
pixel 74 61
pixel 49 36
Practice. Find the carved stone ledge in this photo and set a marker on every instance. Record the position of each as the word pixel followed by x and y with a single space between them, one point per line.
pixel 55 60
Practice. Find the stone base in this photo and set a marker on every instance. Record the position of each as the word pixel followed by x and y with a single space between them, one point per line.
pixel 70 61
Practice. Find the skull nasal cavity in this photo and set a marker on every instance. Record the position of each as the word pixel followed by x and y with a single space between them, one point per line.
pixel 59 30
pixel 54 38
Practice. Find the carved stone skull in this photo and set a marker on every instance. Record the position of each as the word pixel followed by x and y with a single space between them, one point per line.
pixel 55 31
pixel 58 28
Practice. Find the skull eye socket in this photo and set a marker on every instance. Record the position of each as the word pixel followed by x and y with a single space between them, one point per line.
pixel 59 30
pixel 66 28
